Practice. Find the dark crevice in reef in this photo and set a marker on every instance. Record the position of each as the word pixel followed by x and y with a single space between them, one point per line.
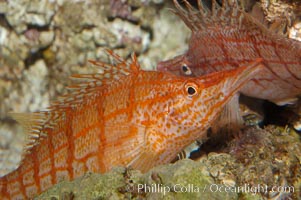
pixel 36 55
pixel 271 113
pixel 85 27
pixel 33 57
pixel 4 22
pixel 278 115
pixel 37 27
pixel 149 30
pixel 132 20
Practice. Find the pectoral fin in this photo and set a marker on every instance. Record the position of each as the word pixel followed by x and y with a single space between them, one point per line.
pixel 230 121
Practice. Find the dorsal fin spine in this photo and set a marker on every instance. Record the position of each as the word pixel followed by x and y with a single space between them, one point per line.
pixel 202 18
pixel 32 124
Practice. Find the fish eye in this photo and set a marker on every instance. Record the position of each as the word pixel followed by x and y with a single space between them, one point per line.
pixel 191 89
pixel 185 69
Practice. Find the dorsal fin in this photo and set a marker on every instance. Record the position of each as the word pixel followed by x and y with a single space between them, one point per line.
pixel 32 124
pixel 227 15
pixel 91 82
pixel 202 18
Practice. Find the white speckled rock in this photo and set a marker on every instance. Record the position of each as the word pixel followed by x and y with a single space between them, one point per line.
pixel 295 31
pixel 19 13
pixel 11 145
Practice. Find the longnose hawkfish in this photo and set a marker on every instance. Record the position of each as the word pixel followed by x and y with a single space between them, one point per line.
pixel 225 37
pixel 123 116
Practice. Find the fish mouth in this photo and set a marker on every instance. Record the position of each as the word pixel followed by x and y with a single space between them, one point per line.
pixel 233 79
pixel 226 84
pixel 244 75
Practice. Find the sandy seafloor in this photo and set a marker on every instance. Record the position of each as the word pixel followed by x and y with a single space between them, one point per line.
pixel 43 42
